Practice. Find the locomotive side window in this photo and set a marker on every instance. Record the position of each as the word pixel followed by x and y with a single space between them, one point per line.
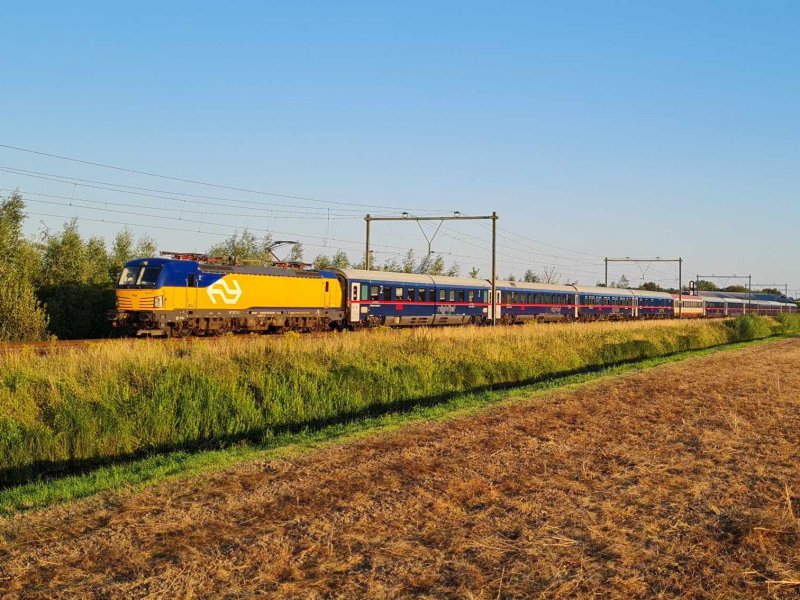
pixel 191 280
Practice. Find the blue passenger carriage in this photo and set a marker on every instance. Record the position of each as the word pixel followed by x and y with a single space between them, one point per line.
pixel 406 299
pixel 521 301
pixel 653 305
pixel 602 303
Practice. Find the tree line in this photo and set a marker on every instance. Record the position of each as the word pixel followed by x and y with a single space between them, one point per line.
pixel 61 284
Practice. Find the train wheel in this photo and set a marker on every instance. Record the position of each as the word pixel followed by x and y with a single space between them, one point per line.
pixel 185 330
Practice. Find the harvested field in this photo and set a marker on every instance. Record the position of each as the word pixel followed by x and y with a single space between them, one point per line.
pixel 683 480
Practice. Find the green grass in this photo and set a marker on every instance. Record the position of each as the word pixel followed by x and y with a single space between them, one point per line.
pixel 147 408
pixel 181 464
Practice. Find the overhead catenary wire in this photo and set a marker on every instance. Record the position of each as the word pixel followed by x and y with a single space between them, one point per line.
pixel 164 195
pixel 202 183
pixel 182 210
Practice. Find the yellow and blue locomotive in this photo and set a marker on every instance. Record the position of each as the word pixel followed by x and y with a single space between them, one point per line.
pixel 161 296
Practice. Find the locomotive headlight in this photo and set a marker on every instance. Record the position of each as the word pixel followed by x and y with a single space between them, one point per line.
pixel 158 301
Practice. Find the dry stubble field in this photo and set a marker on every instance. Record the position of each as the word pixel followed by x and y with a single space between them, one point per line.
pixel 682 480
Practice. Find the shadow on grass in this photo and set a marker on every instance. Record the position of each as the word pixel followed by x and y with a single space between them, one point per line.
pixel 613 355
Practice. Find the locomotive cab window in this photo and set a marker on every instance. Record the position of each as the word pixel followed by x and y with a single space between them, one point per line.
pixel 139 276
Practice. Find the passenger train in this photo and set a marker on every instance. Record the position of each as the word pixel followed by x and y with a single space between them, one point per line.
pixel 170 297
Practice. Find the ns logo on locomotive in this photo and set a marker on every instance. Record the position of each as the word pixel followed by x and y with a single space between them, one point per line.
pixel 174 297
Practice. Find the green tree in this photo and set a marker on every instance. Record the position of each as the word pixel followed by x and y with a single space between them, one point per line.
pixel 322 262
pixel 340 260
pixel 75 284
pixel 431 265
pixel 392 265
pixel 531 277
pixel 453 271
pixel 146 247
pixel 244 246
pixel 22 317
pixel 774 291
pixel 742 289
pixel 474 272
pixel 706 286
pixel 409 262
pixel 651 286
pixel 122 250
pixel 296 253
pixel 125 248
pixel 363 264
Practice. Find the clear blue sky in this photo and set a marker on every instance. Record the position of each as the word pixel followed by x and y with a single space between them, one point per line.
pixel 603 128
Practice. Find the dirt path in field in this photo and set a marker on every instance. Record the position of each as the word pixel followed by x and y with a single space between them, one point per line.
pixel 681 480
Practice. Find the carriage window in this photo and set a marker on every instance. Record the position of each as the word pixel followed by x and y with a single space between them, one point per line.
pixel 374 292
pixel 461 295
pixel 431 295
pixel 422 294
pixel 398 294
pixel 442 295
pixel 364 292
pixel 387 292
pixel 471 296
pixel 410 294
pixel 452 295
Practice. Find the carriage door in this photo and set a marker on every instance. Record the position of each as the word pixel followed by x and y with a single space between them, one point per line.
pixel 326 295
pixel 355 290
pixel 191 291
pixel 497 304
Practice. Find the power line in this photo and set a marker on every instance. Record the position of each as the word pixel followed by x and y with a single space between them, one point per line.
pixel 289 214
pixel 203 183
pixel 140 191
